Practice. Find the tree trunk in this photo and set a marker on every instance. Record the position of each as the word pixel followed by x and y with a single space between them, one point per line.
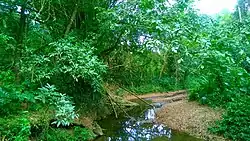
pixel 73 16
pixel 21 33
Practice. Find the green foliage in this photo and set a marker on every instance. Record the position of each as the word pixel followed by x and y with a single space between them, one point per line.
pixel 57 135
pixel 77 134
pixel 214 76
pixel 153 41
pixel 146 45
pixel 67 63
pixel 64 109
pixel 219 76
pixel 6 47
pixel 15 128
pixel 11 94
pixel 147 89
pixel 236 122
pixel 83 134
pixel 163 84
pixel 67 56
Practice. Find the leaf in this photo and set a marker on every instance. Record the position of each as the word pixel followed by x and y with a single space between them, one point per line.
pixel 240 73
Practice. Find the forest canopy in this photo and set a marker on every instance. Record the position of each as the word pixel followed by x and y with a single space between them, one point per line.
pixel 57 55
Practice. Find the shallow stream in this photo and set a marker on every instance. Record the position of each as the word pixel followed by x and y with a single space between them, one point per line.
pixel 140 126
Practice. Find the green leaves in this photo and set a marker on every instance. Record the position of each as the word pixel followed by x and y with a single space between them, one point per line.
pixel 12 94
pixel 147 4
pixel 65 111
pixel 62 104
pixel 236 122
pixel 67 56
pixel 220 74
pixel 15 128
pixel 83 134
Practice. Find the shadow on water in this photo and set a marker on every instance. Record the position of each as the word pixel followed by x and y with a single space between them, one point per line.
pixel 141 127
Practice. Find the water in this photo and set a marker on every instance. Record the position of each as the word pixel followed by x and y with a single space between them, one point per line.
pixel 141 127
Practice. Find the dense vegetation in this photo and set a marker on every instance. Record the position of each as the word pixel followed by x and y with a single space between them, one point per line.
pixel 56 57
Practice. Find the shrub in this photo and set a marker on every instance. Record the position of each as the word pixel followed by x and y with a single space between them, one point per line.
pixel 83 134
pixel 57 135
pixel 70 64
pixel 12 95
pixel 236 122
pixel 218 78
pixel 76 134
pixel 15 128
pixel 63 106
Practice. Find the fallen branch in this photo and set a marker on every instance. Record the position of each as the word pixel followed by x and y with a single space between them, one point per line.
pixel 118 105
pixel 112 106
pixel 132 93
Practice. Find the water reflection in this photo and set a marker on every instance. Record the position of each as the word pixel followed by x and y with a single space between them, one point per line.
pixel 143 128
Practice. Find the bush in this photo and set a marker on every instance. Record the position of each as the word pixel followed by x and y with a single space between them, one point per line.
pixel 63 106
pixel 15 128
pixel 77 134
pixel 70 64
pixel 147 88
pixel 56 135
pixel 12 95
pixel 163 84
pixel 236 122
pixel 83 134
pixel 218 79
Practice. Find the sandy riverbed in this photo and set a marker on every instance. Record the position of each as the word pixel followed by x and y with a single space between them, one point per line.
pixel 191 118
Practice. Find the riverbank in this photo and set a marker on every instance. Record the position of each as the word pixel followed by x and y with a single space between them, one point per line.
pixel 190 117
pixel 181 115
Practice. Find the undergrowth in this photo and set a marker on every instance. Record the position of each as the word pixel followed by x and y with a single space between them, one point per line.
pixel 235 123
pixel 75 134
